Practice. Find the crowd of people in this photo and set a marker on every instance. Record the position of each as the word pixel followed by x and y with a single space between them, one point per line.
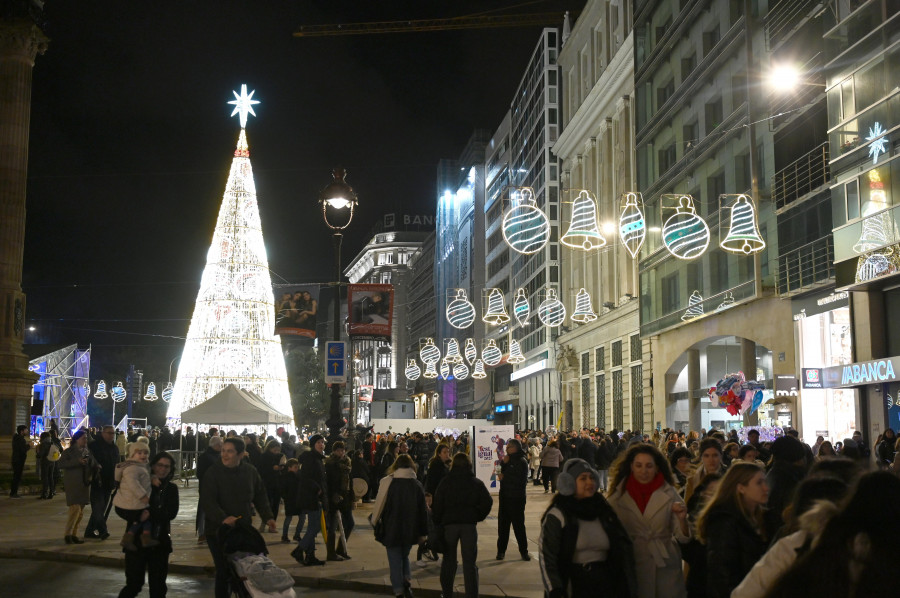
pixel 693 514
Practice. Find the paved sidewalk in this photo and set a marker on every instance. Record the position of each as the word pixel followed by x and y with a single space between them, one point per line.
pixel 34 529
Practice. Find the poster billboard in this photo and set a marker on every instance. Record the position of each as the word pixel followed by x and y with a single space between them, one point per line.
pixel 296 310
pixel 370 310
pixel 488 450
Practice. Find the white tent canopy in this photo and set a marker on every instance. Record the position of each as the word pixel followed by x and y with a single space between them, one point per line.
pixel 234 406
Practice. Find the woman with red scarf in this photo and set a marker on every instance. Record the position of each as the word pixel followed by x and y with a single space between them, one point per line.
pixel 643 495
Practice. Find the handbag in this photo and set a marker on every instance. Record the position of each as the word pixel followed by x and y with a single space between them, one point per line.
pixel 379 530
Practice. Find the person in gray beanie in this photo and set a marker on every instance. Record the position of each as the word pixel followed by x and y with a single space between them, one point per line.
pixel 583 545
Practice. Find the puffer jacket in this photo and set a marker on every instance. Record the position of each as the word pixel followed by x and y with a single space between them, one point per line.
pixel 133 478
pixel 402 510
pixel 461 498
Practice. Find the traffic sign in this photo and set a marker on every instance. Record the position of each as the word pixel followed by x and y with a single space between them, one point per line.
pixel 335 362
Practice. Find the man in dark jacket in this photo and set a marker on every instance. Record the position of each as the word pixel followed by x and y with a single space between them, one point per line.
pixel 228 489
pixel 586 447
pixel 20 448
pixel 513 478
pixel 460 501
pixel 106 453
pixel 340 500
pixel 311 499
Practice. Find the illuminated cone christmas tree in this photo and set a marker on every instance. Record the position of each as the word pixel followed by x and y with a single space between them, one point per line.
pixel 231 339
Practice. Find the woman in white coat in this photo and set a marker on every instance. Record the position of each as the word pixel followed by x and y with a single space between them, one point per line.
pixel 643 495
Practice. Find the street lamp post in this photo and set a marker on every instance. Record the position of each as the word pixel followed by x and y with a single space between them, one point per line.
pixel 338 201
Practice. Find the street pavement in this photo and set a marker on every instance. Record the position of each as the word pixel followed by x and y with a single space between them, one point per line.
pixel 33 530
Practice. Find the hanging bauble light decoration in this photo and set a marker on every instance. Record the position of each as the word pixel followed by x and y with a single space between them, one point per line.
pixel 685 234
pixel 526 228
pixel 460 371
pixel 471 351
pixel 412 370
pixel 727 302
pixel 632 226
pixel 584 232
pixel 889 399
pixel 478 373
pixel 521 308
pixel 151 393
pixel 515 352
pixel 695 307
pixel 743 234
pixel 429 353
pixel 495 314
pixel 445 369
pixel 460 311
pixel 491 354
pixel 430 371
pixel 101 390
pixel 551 311
pixel 452 354
pixel 584 312
pixel 877 230
pixel 167 392
pixel 118 393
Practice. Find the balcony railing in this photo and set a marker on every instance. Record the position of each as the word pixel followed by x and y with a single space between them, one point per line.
pixel 806 175
pixel 806 267
pixel 786 16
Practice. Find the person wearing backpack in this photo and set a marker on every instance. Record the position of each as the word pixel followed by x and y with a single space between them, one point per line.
pixel 460 502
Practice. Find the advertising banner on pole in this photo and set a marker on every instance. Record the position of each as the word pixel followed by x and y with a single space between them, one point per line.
pixel 370 310
pixel 296 310
pixel 488 449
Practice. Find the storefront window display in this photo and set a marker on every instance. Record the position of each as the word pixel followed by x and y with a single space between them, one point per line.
pixel 825 340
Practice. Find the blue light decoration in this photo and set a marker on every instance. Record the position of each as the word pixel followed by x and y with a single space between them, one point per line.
pixel 584 312
pixel 685 234
pixel 412 370
pixel 743 234
pixel 471 351
pixel 584 232
pixel 167 392
pixel 445 369
pixel 460 311
pixel 429 353
pixel 551 311
pixel 526 228
pixel 491 354
pixel 878 140
pixel 460 371
pixel 632 225
pixel 695 307
pixel 118 393
pixel 101 390
pixel 151 393
pixel 521 307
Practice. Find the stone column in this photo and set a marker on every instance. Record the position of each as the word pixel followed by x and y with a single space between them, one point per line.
pixel 20 41
pixel 693 383
pixel 748 366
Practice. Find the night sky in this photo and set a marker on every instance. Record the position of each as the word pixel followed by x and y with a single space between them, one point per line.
pixel 131 143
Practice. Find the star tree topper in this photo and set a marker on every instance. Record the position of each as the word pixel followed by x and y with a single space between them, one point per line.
pixel 243 104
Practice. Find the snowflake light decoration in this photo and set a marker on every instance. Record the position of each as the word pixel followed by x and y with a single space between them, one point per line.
pixel 878 140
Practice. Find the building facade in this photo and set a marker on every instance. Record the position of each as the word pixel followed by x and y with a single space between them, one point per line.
pixel 421 321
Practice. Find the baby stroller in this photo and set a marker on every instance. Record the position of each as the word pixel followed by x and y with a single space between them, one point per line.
pixel 251 573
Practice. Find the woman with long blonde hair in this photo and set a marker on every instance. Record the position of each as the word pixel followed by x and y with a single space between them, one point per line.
pixel 732 527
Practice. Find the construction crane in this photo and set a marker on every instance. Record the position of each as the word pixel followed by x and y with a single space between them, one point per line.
pixel 445 24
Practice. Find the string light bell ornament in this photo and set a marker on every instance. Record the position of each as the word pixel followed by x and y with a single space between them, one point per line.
pixel 101 390
pixel 430 371
pixel 460 371
pixel 727 302
pixel 429 353
pixel 118 393
pixel 495 314
pixel 151 393
pixel 452 354
pixel 491 354
pixel 584 232
pixel 460 311
pixel 695 307
pixel 632 224
pixel 167 392
pixel 478 373
pixel 471 351
pixel 584 312
pixel 743 233
pixel 526 228
pixel 412 370
pixel 685 234
pixel 551 311
pixel 521 307
pixel 515 352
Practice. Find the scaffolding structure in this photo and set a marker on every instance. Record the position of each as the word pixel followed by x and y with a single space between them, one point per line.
pixel 64 388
